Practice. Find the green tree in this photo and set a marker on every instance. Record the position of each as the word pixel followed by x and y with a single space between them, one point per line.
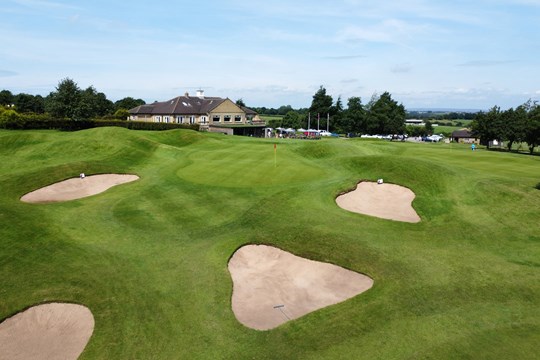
pixel 354 117
pixel 428 127
pixel 532 127
pixel 336 120
pixel 385 116
pixel 487 126
pixel 240 102
pixel 512 125
pixel 26 103
pixel 292 120
pixel 6 97
pixel 128 103
pixel 121 114
pixel 320 105
pixel 64 102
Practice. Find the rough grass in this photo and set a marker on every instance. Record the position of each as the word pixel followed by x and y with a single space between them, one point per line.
pixel 149 258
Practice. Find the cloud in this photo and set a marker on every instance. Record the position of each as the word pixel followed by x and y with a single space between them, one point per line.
pixel 6 73
pixel 344 57
pixel 483 63
pixel 349 81
pixel 45 4
pixel 401 68
pixel 387 31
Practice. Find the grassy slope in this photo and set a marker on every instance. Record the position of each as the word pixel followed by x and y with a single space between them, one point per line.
pixel 149 258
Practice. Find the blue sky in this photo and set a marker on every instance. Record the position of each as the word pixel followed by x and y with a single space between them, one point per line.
pixel 426 53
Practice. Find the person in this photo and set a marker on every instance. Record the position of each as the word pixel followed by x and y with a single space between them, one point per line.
pixel 473 146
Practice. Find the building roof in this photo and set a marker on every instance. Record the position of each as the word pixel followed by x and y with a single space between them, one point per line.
pixel 181 105
pixel 462 133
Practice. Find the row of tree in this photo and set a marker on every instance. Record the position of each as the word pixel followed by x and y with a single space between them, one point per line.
pixel 70 102
pixel 521 124
pixel 381 115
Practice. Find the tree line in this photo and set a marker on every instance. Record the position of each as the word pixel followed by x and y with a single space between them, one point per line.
pixel 69 101
pixel 518 125
pixel 381 115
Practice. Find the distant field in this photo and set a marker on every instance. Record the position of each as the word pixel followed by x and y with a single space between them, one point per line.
pixel 149 258
pixel 271 117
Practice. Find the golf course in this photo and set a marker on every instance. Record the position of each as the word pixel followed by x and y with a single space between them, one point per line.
pixel 149 258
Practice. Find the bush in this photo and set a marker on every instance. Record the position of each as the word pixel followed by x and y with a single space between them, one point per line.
pixel 537 186
pixel 10 119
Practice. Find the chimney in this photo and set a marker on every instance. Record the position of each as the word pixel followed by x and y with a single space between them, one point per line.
pixel 200 94
pixel 186 94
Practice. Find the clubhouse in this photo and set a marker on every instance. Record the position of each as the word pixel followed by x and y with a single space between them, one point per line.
pixel 212 114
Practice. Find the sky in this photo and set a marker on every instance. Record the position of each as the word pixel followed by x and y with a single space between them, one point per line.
pixel 425 53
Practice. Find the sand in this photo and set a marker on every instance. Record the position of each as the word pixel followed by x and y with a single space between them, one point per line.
pixel 48 331
pixel 272 286
pixel 77 188
pixel 387 201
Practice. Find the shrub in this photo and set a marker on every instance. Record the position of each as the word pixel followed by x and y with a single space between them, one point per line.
pixel 537 186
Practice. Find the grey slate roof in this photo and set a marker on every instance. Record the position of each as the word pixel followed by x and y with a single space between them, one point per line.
pixel 462 133
pixel 181 105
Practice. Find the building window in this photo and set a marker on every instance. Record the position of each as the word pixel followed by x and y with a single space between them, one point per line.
pixel 227 118
pixel 158 118
pixel 238 118
pixel 192 119
pixel 180 119
pixel 166 119
pixel 216 118
pixel 203 119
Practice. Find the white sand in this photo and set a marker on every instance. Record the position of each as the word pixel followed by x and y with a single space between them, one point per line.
pixel 48 331
pixel 264 277
pixel 77 188
pixel 387 201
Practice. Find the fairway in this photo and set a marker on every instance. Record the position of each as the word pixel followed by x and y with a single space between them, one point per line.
pixel 150 258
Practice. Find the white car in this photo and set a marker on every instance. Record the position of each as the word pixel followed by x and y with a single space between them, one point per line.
pixel 325 133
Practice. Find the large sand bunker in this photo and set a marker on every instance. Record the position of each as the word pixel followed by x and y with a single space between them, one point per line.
pixel 77 188
pixel 387 201
pixel 48 331
pixel 272 286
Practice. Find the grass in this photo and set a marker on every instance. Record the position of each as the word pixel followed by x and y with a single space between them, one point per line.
pixel 149 258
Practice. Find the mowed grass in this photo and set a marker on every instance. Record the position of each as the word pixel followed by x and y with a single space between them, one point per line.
pixel 149 258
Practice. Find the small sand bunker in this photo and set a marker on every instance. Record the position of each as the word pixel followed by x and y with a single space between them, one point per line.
pixel 272 286
pixel 48 331
pixel 77 188
pixel 387 201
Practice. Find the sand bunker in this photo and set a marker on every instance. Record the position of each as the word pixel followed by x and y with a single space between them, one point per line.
pixel 48 331
pixel 387 201
pixel 77 188
pixel 272 286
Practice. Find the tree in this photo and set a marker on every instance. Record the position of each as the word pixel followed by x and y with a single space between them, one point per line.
pixel 487 126
pixel 321 104
pixel 6 97
pixel 337 112
pixel 354 117
pixel 240 102
pixel 70 102
pixel 428 128
pixel 128 103
pixel 26 103
pixel 532 127
pixel 64 102
pixel 385 116
pixel 292 120
pixel 512 125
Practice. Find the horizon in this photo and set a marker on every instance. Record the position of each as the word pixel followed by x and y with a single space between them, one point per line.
pixel 426 54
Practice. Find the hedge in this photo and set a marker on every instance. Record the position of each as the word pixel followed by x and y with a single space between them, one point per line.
pixel 12 120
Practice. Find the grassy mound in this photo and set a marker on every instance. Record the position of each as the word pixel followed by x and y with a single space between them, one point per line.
pixel 150 260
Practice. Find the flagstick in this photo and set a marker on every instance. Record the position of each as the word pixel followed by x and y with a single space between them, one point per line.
pixel 275 155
